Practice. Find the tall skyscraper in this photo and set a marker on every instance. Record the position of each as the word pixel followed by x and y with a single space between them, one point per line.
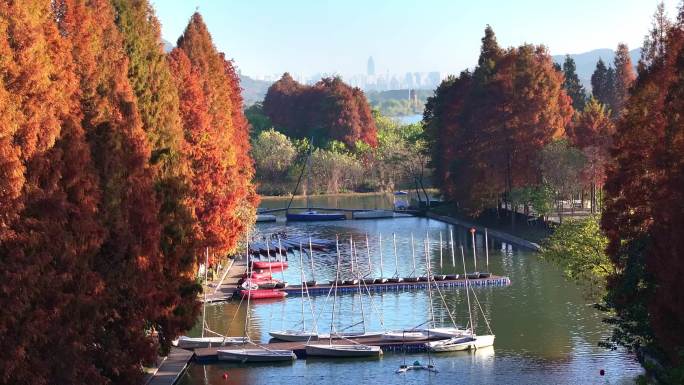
pixel 370 69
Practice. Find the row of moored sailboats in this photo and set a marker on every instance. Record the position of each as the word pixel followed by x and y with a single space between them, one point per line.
pixel 343 343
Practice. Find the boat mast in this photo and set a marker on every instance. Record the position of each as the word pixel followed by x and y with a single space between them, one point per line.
pixel 396 258
pixel 440 250
pixel 472 233
pixel 380 247
pixel 308 175
pixel 337 277
pixel 470 314
pixel 453 256
pixel 303 282
pixel 427 266
pixel 370 268
pixel 204 303
pixel 413 256
pixel 487 250
pixel 358 278
pixel 313 276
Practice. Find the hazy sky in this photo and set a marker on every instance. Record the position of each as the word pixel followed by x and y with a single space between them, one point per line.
pixel 309 36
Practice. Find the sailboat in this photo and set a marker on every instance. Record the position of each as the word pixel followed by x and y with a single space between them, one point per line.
pixel 311 215
pixel 300 334
pixel 416 333
pixel 469 341
pixel 353 349
pixel 258 354
pixel 412 277
pixel 185 342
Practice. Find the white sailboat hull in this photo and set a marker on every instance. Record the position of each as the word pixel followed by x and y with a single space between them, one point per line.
pixel 184 342
pixel 334 350
pixel 255 355
pixel 448 332
pixel 294 335
pixel 405 335
pixel 461 343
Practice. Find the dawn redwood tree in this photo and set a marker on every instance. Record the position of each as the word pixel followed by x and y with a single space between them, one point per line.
pixel 572 85
pixel 129 261
pixel 225 207
pixel 644 211
pixel 158 105
pixel 624 77
pixel 329 110
pixel 592 132
pixel 486 130
pixel 49 234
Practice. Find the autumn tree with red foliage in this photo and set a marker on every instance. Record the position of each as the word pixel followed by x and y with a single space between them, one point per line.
pixel 328 110
pixel 644 211
pixel 488 128
pixel 223 197
pixel 49 233
pixel 129 261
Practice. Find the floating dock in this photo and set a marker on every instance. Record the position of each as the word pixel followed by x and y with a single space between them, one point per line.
pixel 208 355
pixel 323 289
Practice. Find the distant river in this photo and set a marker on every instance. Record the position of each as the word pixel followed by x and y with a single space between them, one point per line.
pixel 546 331
pixel 409 119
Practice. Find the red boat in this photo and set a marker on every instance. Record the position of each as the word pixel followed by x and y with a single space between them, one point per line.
pixel 257 275
pixel 264 265
pixel 263 293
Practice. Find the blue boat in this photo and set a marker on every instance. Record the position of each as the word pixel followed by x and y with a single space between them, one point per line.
pixel 311 216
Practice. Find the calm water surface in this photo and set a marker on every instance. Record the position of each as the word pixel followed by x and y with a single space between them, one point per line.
pixel 546 332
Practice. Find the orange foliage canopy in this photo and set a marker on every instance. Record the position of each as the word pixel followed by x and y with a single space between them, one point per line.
pixel 486 128
pixel 217 136
pixel 328 110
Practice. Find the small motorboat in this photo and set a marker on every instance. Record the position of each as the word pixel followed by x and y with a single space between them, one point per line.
pixel 184 342
pixel 417 366
pixel 294 335
pixel 335 350
pixel 264 265
pixel 470 342
pixel 406 335
pixel 311 216
pixel 255 355
pixel 263 293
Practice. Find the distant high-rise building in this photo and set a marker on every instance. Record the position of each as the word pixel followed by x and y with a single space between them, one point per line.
pixel 370 69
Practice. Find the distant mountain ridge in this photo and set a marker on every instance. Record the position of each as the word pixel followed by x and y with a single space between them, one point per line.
pixel 586 62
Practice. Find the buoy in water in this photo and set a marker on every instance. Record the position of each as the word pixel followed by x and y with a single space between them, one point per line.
pixel 602 372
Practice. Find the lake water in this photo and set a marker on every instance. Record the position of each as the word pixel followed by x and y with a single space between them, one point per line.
pixel 546 331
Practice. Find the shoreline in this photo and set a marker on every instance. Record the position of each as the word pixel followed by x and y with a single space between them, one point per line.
pixel 520 242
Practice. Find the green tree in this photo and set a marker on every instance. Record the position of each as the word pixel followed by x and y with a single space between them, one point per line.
pixel 273 155
pixel 572 84
pixel 578 247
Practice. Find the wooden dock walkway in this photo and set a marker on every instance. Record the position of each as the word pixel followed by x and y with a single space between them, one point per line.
pixel 205 355
pixel 171 369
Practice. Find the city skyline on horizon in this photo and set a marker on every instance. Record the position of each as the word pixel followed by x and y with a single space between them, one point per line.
pixel 266 37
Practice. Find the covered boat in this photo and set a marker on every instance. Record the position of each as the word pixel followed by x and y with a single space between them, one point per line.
pixel 406 335
pixel 265 265
pixel 471 342
pixel 294 335
pixel 255 355
pixel 338 350
pixel 184 342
